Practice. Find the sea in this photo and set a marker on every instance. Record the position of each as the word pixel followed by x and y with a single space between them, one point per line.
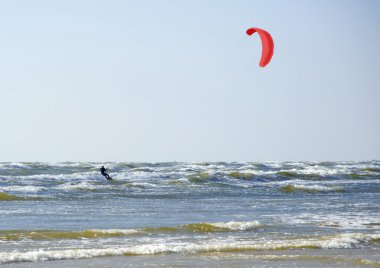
pixel 190 214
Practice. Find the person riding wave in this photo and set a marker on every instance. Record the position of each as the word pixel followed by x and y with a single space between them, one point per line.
pixel 103 172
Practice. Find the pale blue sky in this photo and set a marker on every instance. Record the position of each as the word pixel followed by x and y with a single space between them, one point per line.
pixel 180 81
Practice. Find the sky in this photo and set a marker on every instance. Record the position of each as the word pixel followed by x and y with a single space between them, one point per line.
pixel 154 81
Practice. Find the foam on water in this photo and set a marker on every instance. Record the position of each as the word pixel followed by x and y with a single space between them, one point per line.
pixel 234 225
pixel 310 188
pixel 84 185
pixel 17 235
pixel 338 220
pixel 336 241
pixel 23 189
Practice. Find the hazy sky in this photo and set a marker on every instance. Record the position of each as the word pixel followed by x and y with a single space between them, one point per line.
pixel 179 81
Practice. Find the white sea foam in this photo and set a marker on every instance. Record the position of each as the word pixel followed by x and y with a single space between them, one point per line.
pixel 23 189
pixel 273 164
pixel 317 188
pixel 74 164
pixel 141 184
pixel 307 185
pixel 116 231
pixel 83 185
pixel 373 181
pixel 343 220
pixel 18 165
pixel 13 165
pixel 322 171
pixel 337 241
pixel 71 176
pixel 238 226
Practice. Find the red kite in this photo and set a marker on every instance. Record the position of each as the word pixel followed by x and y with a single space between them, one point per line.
pixel 267 45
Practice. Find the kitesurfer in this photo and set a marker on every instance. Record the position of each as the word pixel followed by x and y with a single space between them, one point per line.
pixel 103 172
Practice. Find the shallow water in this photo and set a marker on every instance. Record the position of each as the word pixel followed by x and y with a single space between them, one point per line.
pixel 292 214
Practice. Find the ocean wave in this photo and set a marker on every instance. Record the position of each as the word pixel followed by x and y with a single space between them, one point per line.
pixel 24 188
pixel 83 185
pixel 347 240
pixel 196 171
pixel 140 185
pixel 17 235
pixel 14 165
pixel 45 177
pixel 152 180
pixel 328 260
pixel 142 169
pixel 199 177
pixel 11 197
pixel 300 170
pixel 73 164
pixel 241 175
pixel 310 172
pixel 222 226
pixel 371 169
pixel 290 188
pixel 342 220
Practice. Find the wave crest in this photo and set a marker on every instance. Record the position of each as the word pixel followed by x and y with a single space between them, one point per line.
pixel 16 235
pixel 222 226
pixel 290 188
pixel 334 241
pixel 52 235
pixel 9 197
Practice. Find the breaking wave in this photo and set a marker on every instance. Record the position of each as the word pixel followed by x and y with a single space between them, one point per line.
pixel 16 235
pixel 222 226
pixel 290 188
pixel 50 235
pixel 11 197
pixel 213 246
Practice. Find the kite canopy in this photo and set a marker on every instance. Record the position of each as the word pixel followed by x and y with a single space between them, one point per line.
pixel 267 45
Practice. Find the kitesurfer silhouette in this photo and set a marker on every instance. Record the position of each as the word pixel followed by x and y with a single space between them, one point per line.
pixel 103 172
